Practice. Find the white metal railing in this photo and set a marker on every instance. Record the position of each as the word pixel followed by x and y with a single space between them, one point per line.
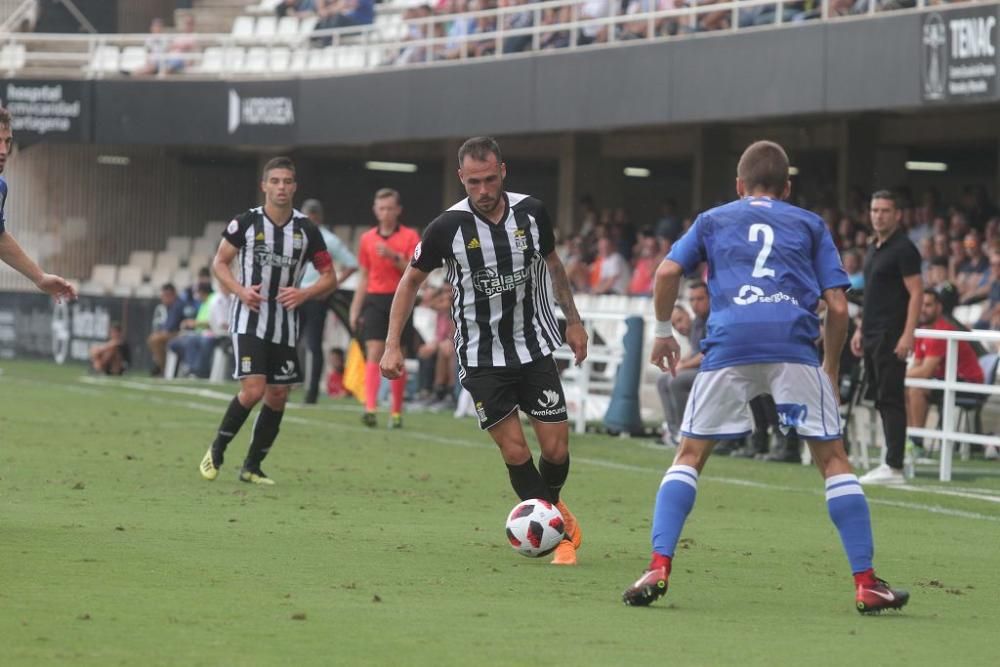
pixel 951 386
pixel 425 40
pixel 25 10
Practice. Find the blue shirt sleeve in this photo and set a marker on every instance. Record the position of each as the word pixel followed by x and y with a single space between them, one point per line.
pixel 830 273
pixel 689 250
pixel 339 252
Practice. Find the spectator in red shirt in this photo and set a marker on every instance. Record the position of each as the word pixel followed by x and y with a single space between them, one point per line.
pixel 335 380
pixel 929 359
pixel 648 258
pixel 383 253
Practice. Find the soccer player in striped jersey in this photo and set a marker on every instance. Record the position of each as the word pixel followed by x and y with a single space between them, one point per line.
pixel 499 251
pixel 272 245
pixel 769 263
pixel 383 253
pixel 11 252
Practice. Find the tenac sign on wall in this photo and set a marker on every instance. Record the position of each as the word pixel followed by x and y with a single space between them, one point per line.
pixel 959 55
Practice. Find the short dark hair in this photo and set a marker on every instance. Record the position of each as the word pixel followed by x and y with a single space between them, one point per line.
pixel 888 195
pixel 939 260
pixel 479 148
pixel 934 293
pixel 280 162
pixel 764 166
pixel 168 287
pixel 5 118
pixel 697 284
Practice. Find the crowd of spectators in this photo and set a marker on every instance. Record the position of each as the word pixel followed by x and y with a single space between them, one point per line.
pixel 959 246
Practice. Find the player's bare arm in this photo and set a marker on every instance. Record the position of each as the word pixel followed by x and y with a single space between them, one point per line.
pixel 666 350
pixel 14 256
pixel 915 286
pixel 576 334
pixel 391 364
pixel 359 298
pixel 834 333
pixel 224 256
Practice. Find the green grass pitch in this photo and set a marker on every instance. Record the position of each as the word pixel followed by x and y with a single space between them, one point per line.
pixel 387 548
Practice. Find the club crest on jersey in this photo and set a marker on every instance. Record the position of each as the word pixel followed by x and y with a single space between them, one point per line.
pixel 264 256
pixel 489 282
pixel 297 241
pixel 520 240
pixel 473 244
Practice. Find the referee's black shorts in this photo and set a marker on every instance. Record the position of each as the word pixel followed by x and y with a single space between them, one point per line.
pixel 535 388
pixel 374 323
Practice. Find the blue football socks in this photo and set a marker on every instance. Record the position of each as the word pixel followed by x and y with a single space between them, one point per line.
pixel 848 508
pixel 674 501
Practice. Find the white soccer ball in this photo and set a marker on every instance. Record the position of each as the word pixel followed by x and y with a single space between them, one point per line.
pixel 535 527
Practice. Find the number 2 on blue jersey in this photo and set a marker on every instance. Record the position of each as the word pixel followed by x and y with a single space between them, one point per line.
pixel 758 229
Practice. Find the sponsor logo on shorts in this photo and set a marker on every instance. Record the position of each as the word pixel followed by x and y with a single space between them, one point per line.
pixel 549 403
pixel 792 414
pixel 481 411
pixel 549 399
pixel 246 364
pixel 286 372
pixel 750 294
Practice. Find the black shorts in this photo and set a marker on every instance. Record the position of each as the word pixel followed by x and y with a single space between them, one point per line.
pixel 375 320
pixel 534 388
pixel 256 356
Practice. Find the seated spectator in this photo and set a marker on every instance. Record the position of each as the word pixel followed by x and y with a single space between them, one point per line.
pixel 156 49
pixel 517 21
pixel 299 8
pixel 344 14
pixel 669 225
pixel 335 378
pixel 972 275
pixel 556 39
pixel 990 319
pixel 855 273
pixel 647 259
pixel 674 389
pixel 167 324
pixel 182 46
pixel 438 355
pixel 609 272
pixel 595 33
pixel 577 266
pixel 111 357
pixel 458 30
pixel 937 279
pixel 929 362
pixel 196 345
pixel 415 32
pixel 846 235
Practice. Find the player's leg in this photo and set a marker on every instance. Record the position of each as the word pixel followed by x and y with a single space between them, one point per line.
pixel 540 394
pixel 524 476
pixel 282 372
pixel 806 401
pixel 717 409
pixel 313 322
pixel 251 371
pixel 374 349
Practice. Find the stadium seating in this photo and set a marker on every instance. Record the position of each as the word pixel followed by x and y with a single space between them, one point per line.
pixel 12 57
pixel 106 59
pixel 179 245
pixel 133 59
pixel 143 259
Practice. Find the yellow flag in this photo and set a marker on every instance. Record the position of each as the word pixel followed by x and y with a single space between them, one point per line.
pixel 354 371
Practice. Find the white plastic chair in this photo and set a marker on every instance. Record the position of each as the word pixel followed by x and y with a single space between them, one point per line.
pixel 179 245
pixel 256 60
pixel 288 28
pixel 133 58
pixel 206 247
pixel 142 259
pixel 281 58
pixel 212 59
pixel 243 27
pixel 267 27
pixel 104 275
pixel 106 59
pixel 12 57
pixel 129 276
pixel 213 230
pixel 166 261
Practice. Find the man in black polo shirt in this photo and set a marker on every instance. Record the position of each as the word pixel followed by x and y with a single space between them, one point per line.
pixel 893 294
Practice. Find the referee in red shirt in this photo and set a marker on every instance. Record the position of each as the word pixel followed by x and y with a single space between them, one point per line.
pixel 383 254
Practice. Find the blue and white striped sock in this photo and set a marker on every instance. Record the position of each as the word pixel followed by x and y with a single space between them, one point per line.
pixel 845 500
pixel 674 501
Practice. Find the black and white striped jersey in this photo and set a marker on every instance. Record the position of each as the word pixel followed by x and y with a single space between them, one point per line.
pixel 502 305
pixel 273 257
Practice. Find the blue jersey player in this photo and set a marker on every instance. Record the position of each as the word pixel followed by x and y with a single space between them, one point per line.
pixel 11 252
pixel 769 263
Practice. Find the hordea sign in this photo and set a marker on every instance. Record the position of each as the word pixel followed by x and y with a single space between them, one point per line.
pixel 959 55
